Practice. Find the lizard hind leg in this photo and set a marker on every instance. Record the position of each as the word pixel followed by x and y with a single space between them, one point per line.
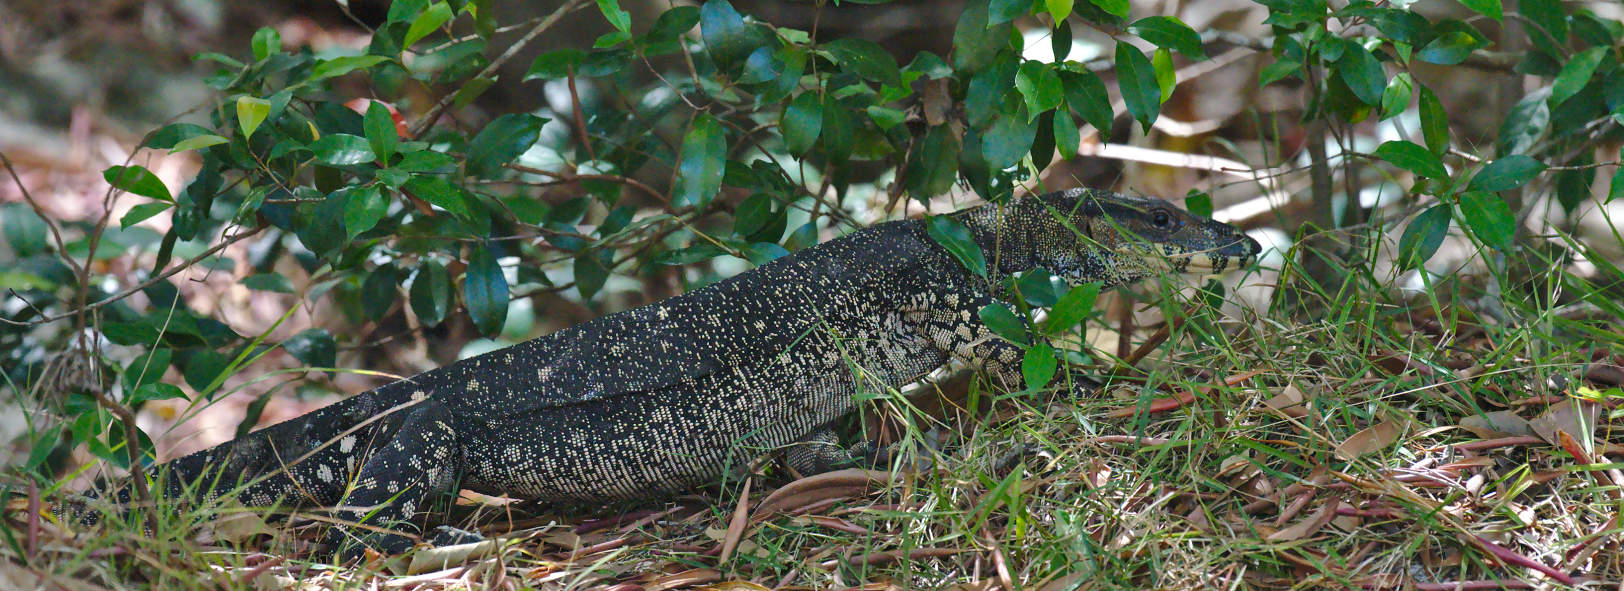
pixel 818 452
pixel 411 460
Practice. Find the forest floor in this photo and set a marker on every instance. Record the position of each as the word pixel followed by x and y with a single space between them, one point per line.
pixel 1456 442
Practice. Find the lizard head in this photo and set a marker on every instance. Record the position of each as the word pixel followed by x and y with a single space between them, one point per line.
pixel 1100 236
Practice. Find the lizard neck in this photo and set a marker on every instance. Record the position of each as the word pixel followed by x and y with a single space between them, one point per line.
pixel 1009 235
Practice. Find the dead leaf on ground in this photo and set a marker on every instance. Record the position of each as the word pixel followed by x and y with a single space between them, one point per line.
pixel 735 586
pixel 235 526
pixel 1289 402
pixel 689 578
pixel 735 528
pixel 1373 438
pixel 1497 424
pixel 850 482
pixel 1577 418
pixel 1307 527
pixel 429 559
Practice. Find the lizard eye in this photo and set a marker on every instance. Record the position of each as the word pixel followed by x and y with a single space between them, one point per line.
pixel 1161 219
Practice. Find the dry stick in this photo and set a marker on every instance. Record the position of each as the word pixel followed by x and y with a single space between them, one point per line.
pixel 1126 365
pixel 512 50
pixel 580 121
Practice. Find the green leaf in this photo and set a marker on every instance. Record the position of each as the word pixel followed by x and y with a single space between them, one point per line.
pixel 1615 189
pixel 271 282
pixel 763 65
pixel 1552 21
pixel 1117 8
pixel 251 111
pixel 441 192
pixel 378 291
pixel 168 136
pixel 839 130
pixel 1396 98
pixel 1004 323
pixel 266 42
pixel 1489 217
pixel 380 130
pixel 313 347
pixel 1434 122
pixel 975 41
pixel 933 165
pixel 555 64
pixel 1066 136
pixel 1413 158
pixel 1525 124
pixel 1423 236
pixel 1170 33
pixel 141 212
pixel 340 66
pixel 1003 11
pixel 1506 174
pixel 752 214
pixel 866 59
pixel 147 368
pixel 1362 73
pixel 1576 74
pixel 1058 10
pixel 1038 366
pixel 1449 48
pixel 362 210
pixel 954 236
pixel 591 271
pixel 727 38
pixel 1162 62
pixel 427 22
pixel 1198 204
pixel 430 293
pixel 154 391
pixel 672 24
pixel 1488 8
pixel 803 120
pixel 197 141
pixel 1040 86
pixel 704 158
pixel 342 149
pixel 501 141
pixel 1072 308
pixel 138 180
pixel 1007 141
pixel 1086 93
pixel 485 291
pixel 1137 78
pixel 321 228
pixel 617 18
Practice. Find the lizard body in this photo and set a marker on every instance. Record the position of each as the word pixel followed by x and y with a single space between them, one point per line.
pixel 665 397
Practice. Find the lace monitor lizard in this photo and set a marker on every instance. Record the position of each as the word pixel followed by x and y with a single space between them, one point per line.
pixel 653 400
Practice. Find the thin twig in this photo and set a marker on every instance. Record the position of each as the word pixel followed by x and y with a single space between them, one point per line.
pixel 580 120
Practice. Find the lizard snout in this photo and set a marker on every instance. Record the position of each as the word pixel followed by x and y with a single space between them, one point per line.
pixel 1243 250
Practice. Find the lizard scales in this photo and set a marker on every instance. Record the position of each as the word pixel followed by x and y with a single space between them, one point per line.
pixel 665 397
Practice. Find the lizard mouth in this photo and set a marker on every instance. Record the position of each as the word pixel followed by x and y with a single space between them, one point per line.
pixel 1237 254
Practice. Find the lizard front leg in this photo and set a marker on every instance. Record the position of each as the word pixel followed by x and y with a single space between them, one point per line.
pixel 954 325
pixel 407 465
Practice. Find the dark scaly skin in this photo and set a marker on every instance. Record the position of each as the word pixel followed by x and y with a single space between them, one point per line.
pixel 667 397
